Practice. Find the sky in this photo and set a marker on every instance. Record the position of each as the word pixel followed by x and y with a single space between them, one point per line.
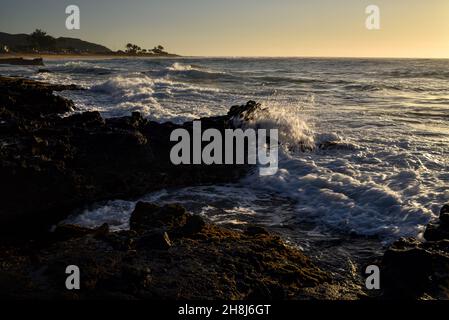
pixel 318 28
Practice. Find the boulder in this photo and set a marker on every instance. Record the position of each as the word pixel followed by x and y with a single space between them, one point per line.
pixel 444 215
pixel 415 269
pixel 439 230
pixel 148 216
pixel 157 240
pixel 195 224
pixel 256 231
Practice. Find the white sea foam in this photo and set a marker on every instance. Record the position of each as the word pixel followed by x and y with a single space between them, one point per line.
pixel 139 92
pixel 177 66
pixel 295 134
pixel 340 200
pixel 181 67
pixel 130 93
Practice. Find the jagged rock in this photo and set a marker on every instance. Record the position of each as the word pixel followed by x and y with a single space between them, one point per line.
pixel 444 215
pixel 440 230
pixel 22 61
pixel 147 215
pixel 407 268
pixel 244 112
pixel 102 231
pixel 255 231
pixel 172 218
pixel 436 232
pixel 69 231
pixel 154 240
pixel 194 225
pixel 217 263
pixel 415 269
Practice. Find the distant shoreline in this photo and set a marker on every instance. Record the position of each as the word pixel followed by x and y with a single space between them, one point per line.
pixel 60 56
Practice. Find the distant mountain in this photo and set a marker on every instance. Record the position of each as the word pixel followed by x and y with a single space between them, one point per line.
pixel 14 40
pixel 81 45
pixel 24 42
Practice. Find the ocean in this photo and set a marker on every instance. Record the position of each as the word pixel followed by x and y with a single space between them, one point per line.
pixel 384 174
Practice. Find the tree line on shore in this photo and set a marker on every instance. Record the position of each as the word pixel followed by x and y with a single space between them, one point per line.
pixel 134 49
pixel 41 42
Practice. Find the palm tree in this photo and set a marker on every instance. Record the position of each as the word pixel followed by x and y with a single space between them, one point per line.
pixel 129 47
pixel 158 50
pixel 136 49
pixel 41 40
pixel 38 33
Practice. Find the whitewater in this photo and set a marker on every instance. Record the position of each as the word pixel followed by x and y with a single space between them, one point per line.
pixel 364 142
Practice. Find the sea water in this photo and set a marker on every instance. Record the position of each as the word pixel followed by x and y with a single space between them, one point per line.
pixel 377 129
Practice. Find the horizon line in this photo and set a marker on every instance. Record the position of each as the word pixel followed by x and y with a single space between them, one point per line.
pixel 311 57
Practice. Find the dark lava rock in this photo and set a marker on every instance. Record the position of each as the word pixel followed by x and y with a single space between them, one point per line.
pixel 414 269
pixel 22 61
pixel 436 232
pixel 69 231
pixel 246 112
pixel 172 218
pixel 25 99
pixel 148 215
pixel 216 263
pixel 444 215
pixel 155 240
pixel 440 230
pixel 256 231
pixel 194 225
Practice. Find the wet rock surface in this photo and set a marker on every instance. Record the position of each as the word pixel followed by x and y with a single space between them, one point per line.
pixel 162 257
pixel 415 269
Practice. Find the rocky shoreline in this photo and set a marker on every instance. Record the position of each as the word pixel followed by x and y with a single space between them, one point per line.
pixel 22 61
pixel 167 254
pixel 53 161
pixel 51 164
pixel 416 269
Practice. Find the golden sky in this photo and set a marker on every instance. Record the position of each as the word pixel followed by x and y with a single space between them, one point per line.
pixel 409 28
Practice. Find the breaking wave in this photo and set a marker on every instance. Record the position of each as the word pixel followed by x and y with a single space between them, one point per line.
pixel 81 67
pixel 195 72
